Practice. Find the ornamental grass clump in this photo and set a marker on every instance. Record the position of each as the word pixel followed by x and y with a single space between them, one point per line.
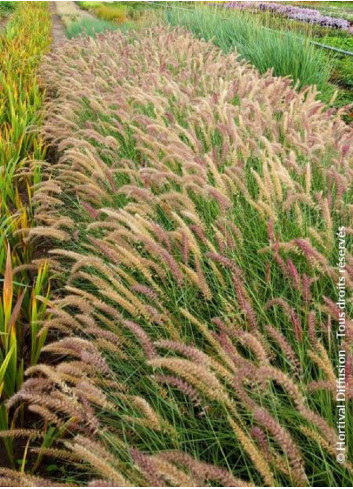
pixel 193 211
pixel 22 44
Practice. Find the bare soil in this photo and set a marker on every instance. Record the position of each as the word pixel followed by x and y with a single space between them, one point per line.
pixel 58 30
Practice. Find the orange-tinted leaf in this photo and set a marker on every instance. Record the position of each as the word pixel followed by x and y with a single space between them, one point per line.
pixel 17 308
pixel 8 285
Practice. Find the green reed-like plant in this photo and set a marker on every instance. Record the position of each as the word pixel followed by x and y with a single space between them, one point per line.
pixel 89 27
pixel 283 52
pixel 22 44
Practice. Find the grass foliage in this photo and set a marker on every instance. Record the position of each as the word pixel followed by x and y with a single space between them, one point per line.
pixel 117 12
pixel 284 52
pixel 112 14
pixel 89 27
pixel 340 66
pixel 6 8
pixel 80 22
pixel 24 41
pixel 193 212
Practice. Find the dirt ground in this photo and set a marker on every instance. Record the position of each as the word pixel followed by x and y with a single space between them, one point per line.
pixel 58 27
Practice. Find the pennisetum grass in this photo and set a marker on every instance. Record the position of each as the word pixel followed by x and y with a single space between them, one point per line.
pixel 282 51
pixel 193 212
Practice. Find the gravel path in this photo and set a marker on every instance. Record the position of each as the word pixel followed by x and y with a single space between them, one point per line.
pixel 58 30
pixel 63 13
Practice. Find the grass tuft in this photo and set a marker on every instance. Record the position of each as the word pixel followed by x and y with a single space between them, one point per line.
pixel 89 27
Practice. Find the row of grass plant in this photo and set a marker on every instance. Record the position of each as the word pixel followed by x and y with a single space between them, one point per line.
pixel 104 17
pixel 111 13
pixel 341 77
pixel 24 41
pixel 78 21
pixel 282 52
pixel 194 208
pixel 118 12
pixel 123 15
pixel 88 27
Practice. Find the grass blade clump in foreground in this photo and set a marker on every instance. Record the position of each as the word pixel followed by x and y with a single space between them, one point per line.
pixel 194 210
pixel 285 52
